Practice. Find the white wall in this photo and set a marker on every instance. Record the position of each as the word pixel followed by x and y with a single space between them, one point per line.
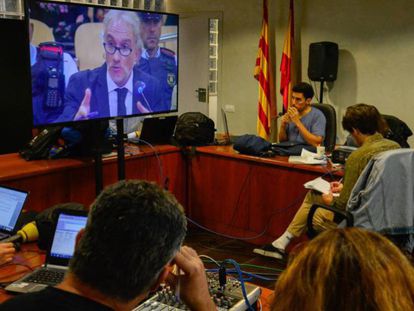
pixel 240 38
pixel 376 60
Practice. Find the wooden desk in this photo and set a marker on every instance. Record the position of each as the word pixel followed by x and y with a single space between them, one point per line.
pixel 28 258
pixel 228 192
pixel 244 196
pixel 73 180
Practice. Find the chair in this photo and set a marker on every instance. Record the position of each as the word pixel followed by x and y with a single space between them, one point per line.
pixel 41 32
pixel 398 130
pixel 340 217
pixel 382 199
pixel 330 132
pixel 168 38
pixel 88 45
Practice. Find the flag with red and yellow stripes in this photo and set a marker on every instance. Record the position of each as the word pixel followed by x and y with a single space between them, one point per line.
pixel 262 74
pixel 286 63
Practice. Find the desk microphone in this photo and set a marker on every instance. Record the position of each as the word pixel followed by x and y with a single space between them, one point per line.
pixel 28 233
pixel 140 86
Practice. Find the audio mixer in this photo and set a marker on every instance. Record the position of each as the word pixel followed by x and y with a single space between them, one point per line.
pixel 231 298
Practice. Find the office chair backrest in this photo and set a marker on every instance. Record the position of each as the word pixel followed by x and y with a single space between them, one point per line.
pixel 383 197
pixel 399 130
pixel 168 38
pixel 41 32
pixel 330 132
pixel 88 45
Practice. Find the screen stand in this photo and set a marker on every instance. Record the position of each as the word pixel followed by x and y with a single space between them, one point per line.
pixel 120 148
pixel 97 154
pixel 98 172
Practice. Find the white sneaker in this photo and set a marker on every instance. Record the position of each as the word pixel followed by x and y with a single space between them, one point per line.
pixel 269 250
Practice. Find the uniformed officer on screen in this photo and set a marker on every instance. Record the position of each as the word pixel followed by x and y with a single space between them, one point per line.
pixel 157 61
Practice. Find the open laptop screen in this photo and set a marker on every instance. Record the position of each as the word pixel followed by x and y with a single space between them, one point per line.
pixel 11 204
pixel 67 228
pixel 225 124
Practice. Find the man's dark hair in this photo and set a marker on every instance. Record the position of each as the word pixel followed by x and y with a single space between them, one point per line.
pixel 134 229
pixel 364 118
pixel 304 88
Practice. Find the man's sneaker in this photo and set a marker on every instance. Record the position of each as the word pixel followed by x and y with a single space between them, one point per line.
pixel 269 250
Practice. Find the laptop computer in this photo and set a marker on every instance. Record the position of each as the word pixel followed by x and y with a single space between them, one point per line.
pixel 157 130
pixel 69 223
pixel 11 206
pixel 228 139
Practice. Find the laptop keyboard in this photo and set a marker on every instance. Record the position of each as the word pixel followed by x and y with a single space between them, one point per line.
pixel 48 277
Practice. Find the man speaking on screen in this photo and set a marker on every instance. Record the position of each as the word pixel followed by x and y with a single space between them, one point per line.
pixel 118 87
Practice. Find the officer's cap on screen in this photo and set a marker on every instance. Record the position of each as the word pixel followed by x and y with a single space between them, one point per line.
pixel 146 17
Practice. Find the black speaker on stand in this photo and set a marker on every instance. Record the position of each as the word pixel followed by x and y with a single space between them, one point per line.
pixel 323 63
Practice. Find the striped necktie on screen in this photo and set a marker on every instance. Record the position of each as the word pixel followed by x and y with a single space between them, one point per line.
pixel 122 92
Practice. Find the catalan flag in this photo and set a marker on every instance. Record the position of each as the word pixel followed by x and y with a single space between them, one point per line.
pixel 286 63
pixel 262 74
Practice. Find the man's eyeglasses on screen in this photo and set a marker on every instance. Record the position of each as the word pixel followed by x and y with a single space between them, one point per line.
pixel 111 49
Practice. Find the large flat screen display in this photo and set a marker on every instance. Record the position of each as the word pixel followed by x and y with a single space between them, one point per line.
pixel 93 62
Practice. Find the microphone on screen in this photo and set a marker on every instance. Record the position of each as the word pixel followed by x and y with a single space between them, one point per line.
pixel 140 87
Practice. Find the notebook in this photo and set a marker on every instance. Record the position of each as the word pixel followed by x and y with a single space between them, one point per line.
pixel 158 130
pixel 11 205
pixel 69 223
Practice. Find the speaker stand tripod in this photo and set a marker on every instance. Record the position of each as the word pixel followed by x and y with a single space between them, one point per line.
pixel 321 93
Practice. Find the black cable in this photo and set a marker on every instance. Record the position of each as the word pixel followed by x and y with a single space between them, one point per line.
pixel 3 283
pixel 236 205
pixel 270 217
pixel 160 166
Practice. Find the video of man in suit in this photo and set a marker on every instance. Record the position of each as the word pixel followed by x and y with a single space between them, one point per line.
pixel 94 62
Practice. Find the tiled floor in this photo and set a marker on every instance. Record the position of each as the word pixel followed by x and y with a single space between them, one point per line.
pixel 221 248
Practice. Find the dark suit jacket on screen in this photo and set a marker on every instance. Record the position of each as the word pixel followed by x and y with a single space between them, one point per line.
pixel 96 80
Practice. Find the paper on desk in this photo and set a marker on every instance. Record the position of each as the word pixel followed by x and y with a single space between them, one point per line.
pixel 307 157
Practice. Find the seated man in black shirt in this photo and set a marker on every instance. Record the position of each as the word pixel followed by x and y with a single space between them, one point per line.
pixel 133 235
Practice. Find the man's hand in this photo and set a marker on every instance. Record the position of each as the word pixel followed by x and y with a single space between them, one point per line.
pixel 192 283
pixel 336 186
pixel 85 106
pixel 293 114
pixel 327 198
pixel 141 108
pixel 285 119
pixel 7 252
